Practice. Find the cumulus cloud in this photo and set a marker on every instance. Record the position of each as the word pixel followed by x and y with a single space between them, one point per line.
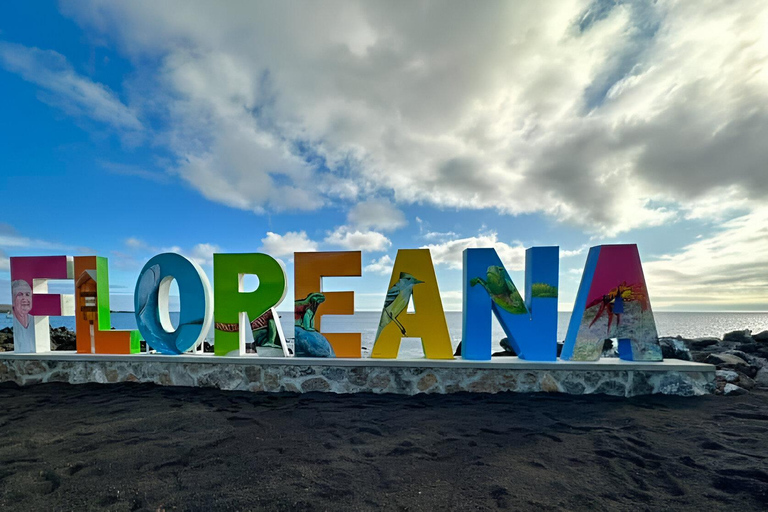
pixel 357 240
pixel 376 214
pixel 449 253
pixel 597 115
pixel 64 88
pixel 382 266
pixel 610 116
pixel 202 254
pixel 137 251
pixel 278 245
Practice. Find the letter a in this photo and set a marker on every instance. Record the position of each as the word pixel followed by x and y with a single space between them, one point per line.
pixel 413 276
pixel 612 303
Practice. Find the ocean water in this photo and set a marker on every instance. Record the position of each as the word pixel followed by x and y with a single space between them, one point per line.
pixel 688 325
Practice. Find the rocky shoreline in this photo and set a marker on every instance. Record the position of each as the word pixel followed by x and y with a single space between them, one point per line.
pixel 741 358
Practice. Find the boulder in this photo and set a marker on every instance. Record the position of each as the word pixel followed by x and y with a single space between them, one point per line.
pixel 674 348
pixel 700 343
pixel 761 336
pixel 744 336
pixel 608 349
pixel 727 375
pixel 63 339
pixel 312 344
pixel 6 340
pixel 746 382
pixel 761 379
pixel 738 353
pixel 732 361
pixel 734 390
pixel 507 346
pixel 750 348
pixel 727 360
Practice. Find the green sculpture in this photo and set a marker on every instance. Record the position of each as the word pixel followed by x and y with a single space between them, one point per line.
pixel 305 309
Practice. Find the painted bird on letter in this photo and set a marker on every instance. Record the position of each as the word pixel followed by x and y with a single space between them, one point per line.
pixel 397 301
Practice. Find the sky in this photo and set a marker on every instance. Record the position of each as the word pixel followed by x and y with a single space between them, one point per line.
pixel 133 128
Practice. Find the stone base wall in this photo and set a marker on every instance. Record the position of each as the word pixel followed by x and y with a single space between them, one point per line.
pixel 408 380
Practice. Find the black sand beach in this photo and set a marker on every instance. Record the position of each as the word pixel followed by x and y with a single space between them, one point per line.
pixel 143 447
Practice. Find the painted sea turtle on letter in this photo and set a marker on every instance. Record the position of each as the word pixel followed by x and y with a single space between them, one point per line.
pixel 501 289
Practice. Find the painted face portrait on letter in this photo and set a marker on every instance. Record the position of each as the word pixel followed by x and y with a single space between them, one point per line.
pixel 22 301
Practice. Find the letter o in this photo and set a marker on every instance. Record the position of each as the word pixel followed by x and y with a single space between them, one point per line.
pixel 151 303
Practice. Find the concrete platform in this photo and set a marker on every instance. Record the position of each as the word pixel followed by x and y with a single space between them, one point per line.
pixel 404 376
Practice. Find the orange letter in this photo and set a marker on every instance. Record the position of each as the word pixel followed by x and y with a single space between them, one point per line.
pixel 309 270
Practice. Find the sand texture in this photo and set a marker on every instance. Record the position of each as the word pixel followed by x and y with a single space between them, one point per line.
pixel 144 447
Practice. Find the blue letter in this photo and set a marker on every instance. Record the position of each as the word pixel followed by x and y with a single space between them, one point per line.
pixel 530 325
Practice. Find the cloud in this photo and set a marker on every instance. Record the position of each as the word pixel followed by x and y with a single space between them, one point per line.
pixel 728 268
pixel 133 170
pixel 202 254
pixel 437 235
pixel 64 88
pixel 376 214
pixel 382 266
pixel 564 253
pixel 5 262
pixel 10 238
pixel 610 116
pixel 139 251
pixel 285 245
pixel 356 240
pixel 135 243
pixel 450 253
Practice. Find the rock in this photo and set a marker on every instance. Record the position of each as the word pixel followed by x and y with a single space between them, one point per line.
pixel 63 339
pixel 734 390
pixel 744 336
pixel 503 353
pixel 700 343
pixel 761 379
pixel 458 350
pixel 727 375
pixel 312 344
pixel 427 381
pixel 746 382
pixel 674 348
pixel 507 346
pixel 738 353
pixel 761 336
pixel 750 348
pixel 608 349
pixel 315 384
pixel 727 360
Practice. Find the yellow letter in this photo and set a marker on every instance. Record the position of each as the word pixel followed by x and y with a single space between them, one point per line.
pixel 413 275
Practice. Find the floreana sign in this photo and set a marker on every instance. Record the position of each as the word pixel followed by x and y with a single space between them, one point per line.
pixel 612 302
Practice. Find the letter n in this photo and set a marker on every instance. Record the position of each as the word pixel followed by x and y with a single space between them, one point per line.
pixel 530 324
